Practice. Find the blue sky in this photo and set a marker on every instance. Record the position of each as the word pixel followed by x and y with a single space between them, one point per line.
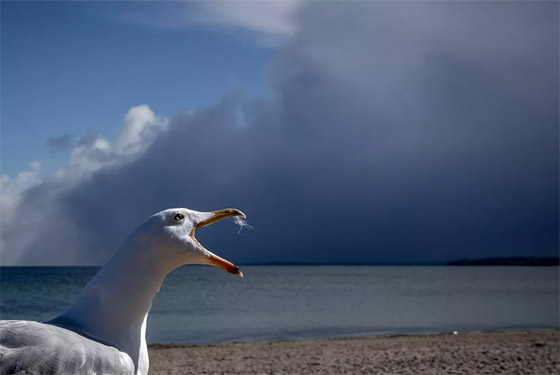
pixel 77 67
pixel 370 132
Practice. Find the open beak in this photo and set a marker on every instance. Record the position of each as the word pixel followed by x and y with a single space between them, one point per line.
pixel 213 259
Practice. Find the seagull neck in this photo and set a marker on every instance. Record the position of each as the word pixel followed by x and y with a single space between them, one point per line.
pixel 114 305
pixel 125 287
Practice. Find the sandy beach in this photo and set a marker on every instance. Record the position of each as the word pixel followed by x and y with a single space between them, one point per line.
pixel 532 352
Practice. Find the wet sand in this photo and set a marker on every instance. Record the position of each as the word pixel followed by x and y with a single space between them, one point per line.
pixel 532 352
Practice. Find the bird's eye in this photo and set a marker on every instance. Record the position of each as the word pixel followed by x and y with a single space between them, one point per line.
pixel 178 217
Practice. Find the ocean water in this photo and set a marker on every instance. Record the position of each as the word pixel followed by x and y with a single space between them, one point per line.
pixel 205 305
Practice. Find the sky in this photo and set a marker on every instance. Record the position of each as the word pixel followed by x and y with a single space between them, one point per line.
pixel 348 132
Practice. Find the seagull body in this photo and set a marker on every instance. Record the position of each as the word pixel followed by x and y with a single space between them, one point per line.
pixel 39 348
pixel 104 330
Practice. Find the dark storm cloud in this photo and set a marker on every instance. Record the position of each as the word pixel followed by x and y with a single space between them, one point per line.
pixel 400 132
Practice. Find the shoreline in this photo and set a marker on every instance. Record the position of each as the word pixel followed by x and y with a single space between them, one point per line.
pixel 511 352
pixel 352 336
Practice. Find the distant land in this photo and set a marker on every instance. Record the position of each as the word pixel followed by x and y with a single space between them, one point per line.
pixel 507 261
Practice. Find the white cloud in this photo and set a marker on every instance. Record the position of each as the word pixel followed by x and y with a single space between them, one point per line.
pixel 270 17
pixel 140 126
pixel 12 189
pixel 12 186
pixel 266 22
pixel 90 154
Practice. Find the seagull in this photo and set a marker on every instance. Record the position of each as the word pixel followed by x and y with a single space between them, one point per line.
pixel 104 330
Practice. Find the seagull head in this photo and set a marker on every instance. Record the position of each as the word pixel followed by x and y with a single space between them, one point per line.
pixel 170 235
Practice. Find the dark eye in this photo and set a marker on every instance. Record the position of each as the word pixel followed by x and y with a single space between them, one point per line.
pixel 178 217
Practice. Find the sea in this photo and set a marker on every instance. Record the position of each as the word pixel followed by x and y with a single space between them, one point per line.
pixel 202 305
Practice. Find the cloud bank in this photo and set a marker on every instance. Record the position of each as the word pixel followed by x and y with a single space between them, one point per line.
pixel 29 201
pixel 399 132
